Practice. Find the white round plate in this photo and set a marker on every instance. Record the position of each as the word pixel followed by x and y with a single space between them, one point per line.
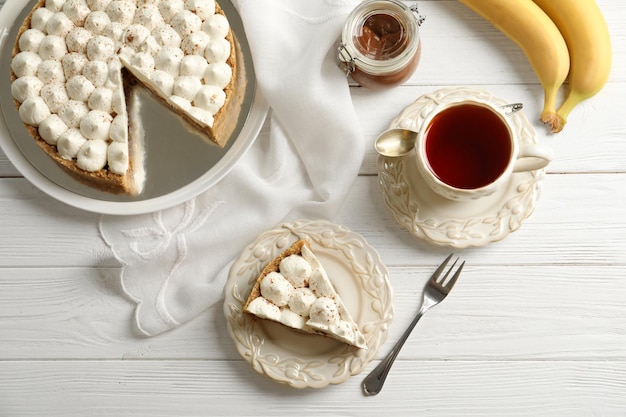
pixel 175 172
pixel 457 224
pixel 304 360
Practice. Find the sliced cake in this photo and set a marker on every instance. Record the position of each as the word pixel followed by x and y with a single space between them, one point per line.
pixel 75 63
pixel 295 290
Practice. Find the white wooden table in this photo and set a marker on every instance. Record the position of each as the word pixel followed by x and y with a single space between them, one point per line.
pixel 536 326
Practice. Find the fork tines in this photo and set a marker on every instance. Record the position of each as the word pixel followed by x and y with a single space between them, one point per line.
pixel 444 281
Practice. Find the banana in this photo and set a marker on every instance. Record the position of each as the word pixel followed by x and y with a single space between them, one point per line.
pixel 538 37
pixel 587 37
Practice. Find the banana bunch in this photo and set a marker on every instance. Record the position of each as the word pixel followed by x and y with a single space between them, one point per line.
pixel 587 36
pixel 560 38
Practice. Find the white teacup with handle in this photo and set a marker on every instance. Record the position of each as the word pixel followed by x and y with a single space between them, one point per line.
pixel 468 148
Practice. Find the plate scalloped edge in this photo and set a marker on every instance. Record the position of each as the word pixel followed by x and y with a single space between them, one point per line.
pixel 400 195
pixel 343 361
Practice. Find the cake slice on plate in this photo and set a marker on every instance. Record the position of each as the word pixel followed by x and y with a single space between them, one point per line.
pixel 294 290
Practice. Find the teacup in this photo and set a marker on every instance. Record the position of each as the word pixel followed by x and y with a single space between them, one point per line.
pixel 468 149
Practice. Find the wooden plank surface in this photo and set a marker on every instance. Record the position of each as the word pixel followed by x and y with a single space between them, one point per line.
pixel 205 388
pixel 571 208
pixel 536 327
pixel 497 312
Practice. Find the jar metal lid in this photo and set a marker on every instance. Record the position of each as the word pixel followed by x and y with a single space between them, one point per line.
pixel 350 57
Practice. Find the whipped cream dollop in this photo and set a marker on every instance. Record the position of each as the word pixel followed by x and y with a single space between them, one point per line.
pixel 324 311
pixel 55 96
pixel 117 157
pixel 276 289
pixel 31 40
pixel 296 269
pixel 68 70
pixel 26 87
pixel 26 64
pixel 50 72
pixel 92 156
pixel 96 125
pixel 301 301
pixel 72 112
pixel 286 296
pixel 52 128
pixel 34 110
pixel 70 142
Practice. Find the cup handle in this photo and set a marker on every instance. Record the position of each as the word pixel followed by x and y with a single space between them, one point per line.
pixel 532 157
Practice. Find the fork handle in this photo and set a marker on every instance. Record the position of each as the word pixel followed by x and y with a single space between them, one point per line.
pixel 373 383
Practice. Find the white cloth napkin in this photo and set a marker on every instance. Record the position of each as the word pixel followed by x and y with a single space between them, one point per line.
pixel 176 262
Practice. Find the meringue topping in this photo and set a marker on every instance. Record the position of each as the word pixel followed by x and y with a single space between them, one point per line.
pixel 68 70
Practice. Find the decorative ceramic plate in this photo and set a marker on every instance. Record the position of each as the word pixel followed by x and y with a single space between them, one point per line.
pixel 304 360
pixel 444 222
pixel 177 170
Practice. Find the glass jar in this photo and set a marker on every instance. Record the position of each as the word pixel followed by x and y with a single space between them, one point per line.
pixel 380 44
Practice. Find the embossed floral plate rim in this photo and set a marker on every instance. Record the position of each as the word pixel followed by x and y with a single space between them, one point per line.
pixel 302 360
pixel 446 223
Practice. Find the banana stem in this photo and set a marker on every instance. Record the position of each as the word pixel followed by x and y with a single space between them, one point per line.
pixel 549 114
pixel 549 98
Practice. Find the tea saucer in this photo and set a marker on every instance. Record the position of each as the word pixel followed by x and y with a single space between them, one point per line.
pixel 303 360
pixel 457 224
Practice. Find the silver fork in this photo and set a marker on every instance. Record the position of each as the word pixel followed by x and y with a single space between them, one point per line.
pixel 435 291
